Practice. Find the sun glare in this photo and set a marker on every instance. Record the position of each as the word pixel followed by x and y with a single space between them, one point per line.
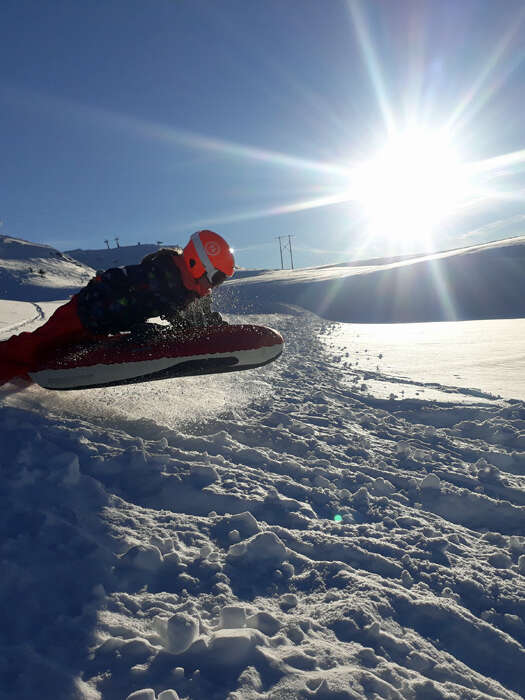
pixel 412 184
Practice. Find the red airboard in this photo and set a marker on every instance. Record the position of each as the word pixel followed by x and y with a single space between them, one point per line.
pixel 128 348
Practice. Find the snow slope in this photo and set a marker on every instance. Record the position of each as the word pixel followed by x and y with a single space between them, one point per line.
pixel 36 272
pixel 480 282
pixel 270 535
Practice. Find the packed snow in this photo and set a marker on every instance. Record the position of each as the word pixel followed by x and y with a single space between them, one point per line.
pixel 347 522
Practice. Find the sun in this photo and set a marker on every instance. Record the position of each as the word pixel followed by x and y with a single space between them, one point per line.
pixel 410 186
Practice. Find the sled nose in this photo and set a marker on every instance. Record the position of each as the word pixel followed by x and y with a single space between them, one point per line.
pixel 269 337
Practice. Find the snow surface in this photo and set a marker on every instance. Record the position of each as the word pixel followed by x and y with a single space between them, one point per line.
pixel 479 356
pixel 276 534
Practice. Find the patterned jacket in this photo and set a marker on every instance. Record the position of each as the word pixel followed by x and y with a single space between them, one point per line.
pixel 122 297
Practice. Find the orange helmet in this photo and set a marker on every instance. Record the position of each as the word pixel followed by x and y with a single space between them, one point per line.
pixel 208 254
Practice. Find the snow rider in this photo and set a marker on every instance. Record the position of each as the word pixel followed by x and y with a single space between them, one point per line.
pixel 172 283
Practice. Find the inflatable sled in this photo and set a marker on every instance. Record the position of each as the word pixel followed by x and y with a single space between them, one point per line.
pixel 159 353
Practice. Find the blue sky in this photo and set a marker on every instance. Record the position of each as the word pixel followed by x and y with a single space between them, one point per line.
pixel 149 120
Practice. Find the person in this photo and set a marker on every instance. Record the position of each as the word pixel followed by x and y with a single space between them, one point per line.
pixel 172 283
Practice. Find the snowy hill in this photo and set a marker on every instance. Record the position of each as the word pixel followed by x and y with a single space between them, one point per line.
pixel 485 281
pixel 113 257
pixel 36 272
pixel 299 531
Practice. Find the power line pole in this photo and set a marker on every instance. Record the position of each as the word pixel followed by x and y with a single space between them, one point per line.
pixel 285 246
pixel 281 251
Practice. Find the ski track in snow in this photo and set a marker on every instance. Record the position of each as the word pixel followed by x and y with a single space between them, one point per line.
pixel 194 549
pixel 39 316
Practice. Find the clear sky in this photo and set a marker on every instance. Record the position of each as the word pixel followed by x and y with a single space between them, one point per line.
pixel 360 128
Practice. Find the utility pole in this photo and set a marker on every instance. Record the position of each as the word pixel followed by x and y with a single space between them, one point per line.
pixel 107 243
pixel 281 251
pixel 284 246
pixel 116 241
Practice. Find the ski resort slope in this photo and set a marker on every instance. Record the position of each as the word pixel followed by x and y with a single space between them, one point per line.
pixel 36 272
pixel 480 282
pixel 276 534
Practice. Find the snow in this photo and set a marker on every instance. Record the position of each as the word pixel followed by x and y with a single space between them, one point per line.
pixel 481 357
pixel 34 272
pixel 291 532
pixel 481 282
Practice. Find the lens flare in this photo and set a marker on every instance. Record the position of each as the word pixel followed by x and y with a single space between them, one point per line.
pixel 413 183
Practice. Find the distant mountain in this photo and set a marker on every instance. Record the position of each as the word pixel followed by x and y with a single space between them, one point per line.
pixel 114 257
pixel 37 272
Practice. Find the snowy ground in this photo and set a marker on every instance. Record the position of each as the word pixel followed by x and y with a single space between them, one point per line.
pixel 278 534
pixel 480 357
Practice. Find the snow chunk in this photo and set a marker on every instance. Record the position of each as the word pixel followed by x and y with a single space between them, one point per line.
pixel 500 560
pixel 245 524
pixel 205 551
pixel 264 622
pixel 403 449
pixel 295 633
pixel 182 630
pixel 142 556
pixel 521 564
pixel 322 482
pixel 406 579
pixel 288 600
pixel 234 536
pixel 383 487
pixel 234 647
pixel 168 695
pixel 368 656
pixel 233 617
pixel 165 544
pixel 144 694
pixel 265 548
pixel 430 482
pixel 517 544
pixel 137 650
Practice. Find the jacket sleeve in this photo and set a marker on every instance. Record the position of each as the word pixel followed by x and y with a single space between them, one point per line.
pixel 122 297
